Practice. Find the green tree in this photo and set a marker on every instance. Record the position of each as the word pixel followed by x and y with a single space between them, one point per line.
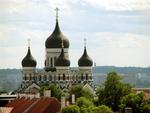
pixel 103 109
pixel 78 91
pixel 90 109
pixel 112 91
pixel 55 90
pixel 145 106
pixel 84 102
pixel 71 109
pixel 132 100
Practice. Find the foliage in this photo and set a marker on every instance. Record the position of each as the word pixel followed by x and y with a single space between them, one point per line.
pixel 103 109
pixel 55 90
pixel 71 109
pixel 132 100
pixel 78 91
pixel 112 91
pixel 90 109
pixel 145 106
pixel 84 102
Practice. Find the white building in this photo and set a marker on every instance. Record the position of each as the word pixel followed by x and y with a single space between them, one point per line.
pixel 57 65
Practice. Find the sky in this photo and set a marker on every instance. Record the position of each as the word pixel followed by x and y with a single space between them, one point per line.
pixel 117 31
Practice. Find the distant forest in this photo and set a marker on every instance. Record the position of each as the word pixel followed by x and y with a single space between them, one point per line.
pixel 10 79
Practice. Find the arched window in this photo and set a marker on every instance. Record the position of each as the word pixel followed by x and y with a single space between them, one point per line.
pixel 39 77
pixel 86 77
pixel 30 77
pixel 82 76
pixel 51 62
pixel 33 78
pixel 47 62
pixel 63 76
pixel 45 77
pixel 25 77
pixel 58 77
pixel 50 77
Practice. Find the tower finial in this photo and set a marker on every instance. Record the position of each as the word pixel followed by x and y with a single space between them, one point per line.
pixel 62 43
pixel 57 13
pixel 85 42
pixel 29 42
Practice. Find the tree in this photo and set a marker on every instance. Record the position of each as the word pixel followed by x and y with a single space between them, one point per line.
pixel 103 109
pixel 78 91
pixel 132 100
pixel 112 91
pixel 90 109
pixel 84 102
pixel 71 109
pixel 145 106
pixel 55 90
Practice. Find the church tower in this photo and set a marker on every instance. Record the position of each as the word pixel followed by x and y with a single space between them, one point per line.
pixel 53 46
pixel 85 67
pixel 57 65
pixel 28 66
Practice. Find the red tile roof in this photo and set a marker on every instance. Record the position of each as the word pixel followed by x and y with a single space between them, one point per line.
pixel 41 105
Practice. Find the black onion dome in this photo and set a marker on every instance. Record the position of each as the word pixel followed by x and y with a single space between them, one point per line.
pixel 55 39
pixel 28 60
pixel 85 60
pixel 62 60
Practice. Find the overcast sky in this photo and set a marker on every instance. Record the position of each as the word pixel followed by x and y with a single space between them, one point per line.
pixel 117 31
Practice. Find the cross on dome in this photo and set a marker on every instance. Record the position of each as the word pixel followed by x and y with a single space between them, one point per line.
pixel 84 42
pixel 56 13
pixel 28 42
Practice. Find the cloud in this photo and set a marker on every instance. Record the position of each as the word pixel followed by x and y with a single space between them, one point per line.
pixel 117 31
pixel 120 5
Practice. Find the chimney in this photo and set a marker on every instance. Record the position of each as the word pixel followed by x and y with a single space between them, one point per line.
pixel 47 93
pixel 63 102
pixel 73 98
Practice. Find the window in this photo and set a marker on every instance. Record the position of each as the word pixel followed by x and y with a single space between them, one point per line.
pixel 86 76
pixel 82 76
pixel 45 77
pixel 63 76
pixel 58 77
pixel 51 62
pixel 50 77
pixel 25 77
pixel 39 77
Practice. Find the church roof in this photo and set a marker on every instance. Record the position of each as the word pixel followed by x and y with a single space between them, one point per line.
pixel 85 60
pixel 54 40
pixel 28 60
pixel 62 60
pixel 35 105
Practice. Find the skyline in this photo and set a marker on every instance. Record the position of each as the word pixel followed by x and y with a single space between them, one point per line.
pixel 117 32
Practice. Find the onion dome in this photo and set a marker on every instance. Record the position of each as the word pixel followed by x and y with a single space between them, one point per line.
pixel 28 60
pixel 85 60
pixel 54 40
pixel 62 60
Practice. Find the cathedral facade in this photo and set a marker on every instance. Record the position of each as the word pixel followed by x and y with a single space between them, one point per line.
pixel 57 68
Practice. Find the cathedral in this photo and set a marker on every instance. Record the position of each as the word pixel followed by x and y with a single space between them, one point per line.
pixel 57 68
